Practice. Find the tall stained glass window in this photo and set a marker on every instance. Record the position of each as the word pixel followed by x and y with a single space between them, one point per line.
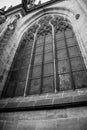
pixel 48 60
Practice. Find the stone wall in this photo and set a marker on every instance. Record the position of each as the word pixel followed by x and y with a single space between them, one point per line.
pixel 63 111
pixel 7 47
pixel 63 119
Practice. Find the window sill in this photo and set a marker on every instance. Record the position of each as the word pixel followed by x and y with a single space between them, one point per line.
pixel 45 101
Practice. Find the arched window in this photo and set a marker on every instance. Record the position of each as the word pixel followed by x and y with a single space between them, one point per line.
pixel 48 60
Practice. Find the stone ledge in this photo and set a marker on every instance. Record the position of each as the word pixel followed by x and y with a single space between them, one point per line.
pixel 64 99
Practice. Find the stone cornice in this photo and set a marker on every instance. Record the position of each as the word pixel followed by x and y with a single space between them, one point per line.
pixel 45 101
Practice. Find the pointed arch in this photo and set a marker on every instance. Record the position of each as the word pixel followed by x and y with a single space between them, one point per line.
pixel 52 66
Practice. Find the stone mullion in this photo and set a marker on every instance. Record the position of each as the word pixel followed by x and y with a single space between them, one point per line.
pixel 56 64
pixel 54 60
pixel 26 90
pixel 42 66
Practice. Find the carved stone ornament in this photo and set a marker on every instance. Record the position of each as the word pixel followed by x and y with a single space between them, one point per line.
pixel 45 27
pixel 27 4
pixel 45 20
pixel 12 24
pixel 60 23
pixel 44 30
pixel 2 19
pixel 30 3
pixel 10 29
pixel 29 35
pixel 2 15
pixel 33 28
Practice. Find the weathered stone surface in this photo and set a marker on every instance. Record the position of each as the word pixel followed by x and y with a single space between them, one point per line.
pixel 59 119
pixel 1 125
pixel 10 125
pixel 43 102
pixel 27 104
pixel 62 100
pixel 2 105
pixel 33 102
pixel 80 98
pixel 12 105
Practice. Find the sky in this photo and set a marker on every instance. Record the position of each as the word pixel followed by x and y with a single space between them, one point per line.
pixel 8 3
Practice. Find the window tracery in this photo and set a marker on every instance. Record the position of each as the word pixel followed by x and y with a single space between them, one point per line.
pixel 60 23
pixel 56 58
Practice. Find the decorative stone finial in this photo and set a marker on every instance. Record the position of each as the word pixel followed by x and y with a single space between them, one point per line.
pixel 28 4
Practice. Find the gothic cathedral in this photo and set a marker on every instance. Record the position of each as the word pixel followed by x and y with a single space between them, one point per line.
pixel 43 66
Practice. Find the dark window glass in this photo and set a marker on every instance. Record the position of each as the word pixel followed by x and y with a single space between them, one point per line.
pixel 64 82
pixel 11 87
pixel 22 74
pixel 59 35
pixel 40 41
pixel 60 44
pixel 73 51
pixel 35 86
pixel 48 47
pixel 48 39
pixel 80 78
pixel 63 66
pixel 20 89
pixel 47 84
pixel 70 42
pixel 24 61
pixel 38 59
pixel 36 71
pixel 76 64
pixel 40 82
pixel 48 69
pixel 62 54
pixel 68 33
pixel 70 64
pixel 39 49
pixel 48 57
